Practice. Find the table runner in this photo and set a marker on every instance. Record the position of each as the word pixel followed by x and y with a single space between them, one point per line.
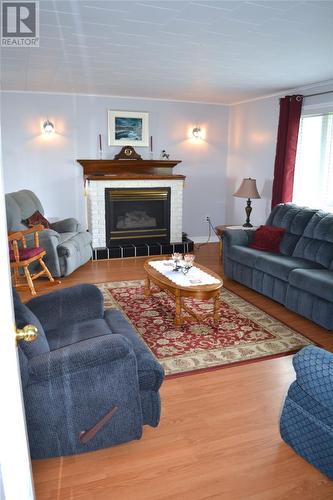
pixel 194 277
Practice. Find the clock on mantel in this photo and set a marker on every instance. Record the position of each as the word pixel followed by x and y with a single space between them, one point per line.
pixel 127 153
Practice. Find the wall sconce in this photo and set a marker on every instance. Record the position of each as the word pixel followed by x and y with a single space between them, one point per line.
pixel 197 133
pixel 48 127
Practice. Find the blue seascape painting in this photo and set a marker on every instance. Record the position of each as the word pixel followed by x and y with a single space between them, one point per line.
pixel 128 128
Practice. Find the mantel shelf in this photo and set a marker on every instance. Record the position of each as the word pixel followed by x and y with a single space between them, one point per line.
pixel 128 177
pixel 128 169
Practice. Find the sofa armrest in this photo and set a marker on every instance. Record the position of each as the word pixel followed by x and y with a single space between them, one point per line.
pixel 69 225
pixel 70 305
pixel 314 374
pixel 49 240
pixel 151 373
pixel 79 357
pixel 238 237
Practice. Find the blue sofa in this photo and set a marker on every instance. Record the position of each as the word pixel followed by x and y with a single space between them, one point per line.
pixel 84 363
pixel 301 276
pixel 67 245
pixel 306 422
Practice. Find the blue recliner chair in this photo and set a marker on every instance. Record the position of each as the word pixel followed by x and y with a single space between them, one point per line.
pixel 307 418
pixel 89 381
pixel 67 245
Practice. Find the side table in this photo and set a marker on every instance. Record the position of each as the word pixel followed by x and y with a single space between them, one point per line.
pixel 220 230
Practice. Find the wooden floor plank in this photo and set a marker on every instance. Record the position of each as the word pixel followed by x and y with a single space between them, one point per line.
pixel 218 437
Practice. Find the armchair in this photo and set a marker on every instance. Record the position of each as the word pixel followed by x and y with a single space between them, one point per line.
pixel 306 422
pixel 88 381
pixel 67 246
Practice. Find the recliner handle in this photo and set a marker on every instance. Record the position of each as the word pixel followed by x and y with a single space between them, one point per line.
pixel 86 436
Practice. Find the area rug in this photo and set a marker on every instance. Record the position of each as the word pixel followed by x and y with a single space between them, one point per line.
pixel 244 332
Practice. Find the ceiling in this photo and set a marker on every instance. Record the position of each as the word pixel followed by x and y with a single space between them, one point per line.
pixel 210 51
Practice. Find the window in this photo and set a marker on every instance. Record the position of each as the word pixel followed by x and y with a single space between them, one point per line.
pixel 313 181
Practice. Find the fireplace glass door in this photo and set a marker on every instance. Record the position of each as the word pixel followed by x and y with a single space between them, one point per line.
pixel 135 215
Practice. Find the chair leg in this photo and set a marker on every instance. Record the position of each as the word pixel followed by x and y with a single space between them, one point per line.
pixel 47 272
pixel 29 280
pixel 16 276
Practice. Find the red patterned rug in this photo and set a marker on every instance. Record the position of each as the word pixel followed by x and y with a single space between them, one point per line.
pixel 244 332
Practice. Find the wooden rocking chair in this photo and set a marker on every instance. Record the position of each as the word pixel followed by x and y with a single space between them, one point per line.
pixel 21 256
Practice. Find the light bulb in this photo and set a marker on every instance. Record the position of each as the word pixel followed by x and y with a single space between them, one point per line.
pixel 48 127
pixel 196 132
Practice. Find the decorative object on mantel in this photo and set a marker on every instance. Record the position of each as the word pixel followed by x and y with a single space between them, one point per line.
pixel 127 153
pixel 248 189
pixel 164 155
pixel 151 147
pixel 128 128
pixel 100 146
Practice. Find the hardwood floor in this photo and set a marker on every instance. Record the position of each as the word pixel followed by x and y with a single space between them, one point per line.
pixel 218 437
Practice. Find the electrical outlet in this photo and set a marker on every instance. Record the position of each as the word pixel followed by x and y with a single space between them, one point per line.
pixel 208 218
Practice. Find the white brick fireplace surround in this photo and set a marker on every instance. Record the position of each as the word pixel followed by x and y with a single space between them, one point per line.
pixel 96 205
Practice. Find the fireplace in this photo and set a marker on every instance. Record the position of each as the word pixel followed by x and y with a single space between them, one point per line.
pixel 134 215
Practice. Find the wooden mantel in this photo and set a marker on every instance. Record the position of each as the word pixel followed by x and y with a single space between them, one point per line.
pixel 129 169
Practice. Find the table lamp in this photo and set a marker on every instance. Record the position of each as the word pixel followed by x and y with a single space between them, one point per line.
pixel 247 189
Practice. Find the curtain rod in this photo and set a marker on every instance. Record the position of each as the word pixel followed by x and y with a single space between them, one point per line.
pixel 319 93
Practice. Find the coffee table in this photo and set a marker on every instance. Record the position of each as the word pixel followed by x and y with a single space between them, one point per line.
pixel 178 292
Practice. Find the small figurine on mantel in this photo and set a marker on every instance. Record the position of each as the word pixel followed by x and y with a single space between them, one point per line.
pixel 164 155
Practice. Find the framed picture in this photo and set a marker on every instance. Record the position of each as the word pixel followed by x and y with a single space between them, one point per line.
pixel 128 128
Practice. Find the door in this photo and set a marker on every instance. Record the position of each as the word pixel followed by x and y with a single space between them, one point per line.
pixel 15 466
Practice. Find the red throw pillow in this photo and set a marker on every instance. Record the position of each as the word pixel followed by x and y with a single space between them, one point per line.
pixel 35 219
pixel 268 238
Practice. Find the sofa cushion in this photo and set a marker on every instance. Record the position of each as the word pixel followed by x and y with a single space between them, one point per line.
pixel 244 255
pixel 268 238
pixel 281 265
pixel 72 333
pixel 25 253
pixel 13 215
pixel 316 244
pixel 150 372
pixel 27 202
pixel 294 220
pixel 318 282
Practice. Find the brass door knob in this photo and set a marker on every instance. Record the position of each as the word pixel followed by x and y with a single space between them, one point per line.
pixel 29 333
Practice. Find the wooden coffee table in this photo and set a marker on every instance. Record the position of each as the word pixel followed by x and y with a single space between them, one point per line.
pixel 178 293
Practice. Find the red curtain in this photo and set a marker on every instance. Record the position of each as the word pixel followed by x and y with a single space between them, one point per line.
pixel 286 147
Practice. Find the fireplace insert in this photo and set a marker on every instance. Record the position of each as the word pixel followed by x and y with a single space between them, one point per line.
pixel 137 215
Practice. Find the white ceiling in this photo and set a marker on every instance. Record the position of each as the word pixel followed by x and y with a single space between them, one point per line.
pixel 212 51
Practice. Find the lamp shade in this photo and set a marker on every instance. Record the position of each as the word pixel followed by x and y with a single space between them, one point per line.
pixel 247 189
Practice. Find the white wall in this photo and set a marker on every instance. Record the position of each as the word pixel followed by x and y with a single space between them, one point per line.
pixel 252 141
pixel 240 142
pixel 251 150
pixel 47 165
